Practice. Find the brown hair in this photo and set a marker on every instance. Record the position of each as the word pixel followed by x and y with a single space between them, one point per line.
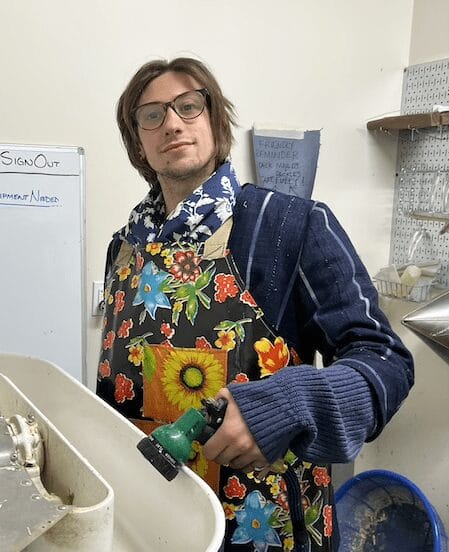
pixel 221 110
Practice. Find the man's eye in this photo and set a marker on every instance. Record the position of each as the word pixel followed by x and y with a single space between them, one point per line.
pixel 152 115
pixel 187 107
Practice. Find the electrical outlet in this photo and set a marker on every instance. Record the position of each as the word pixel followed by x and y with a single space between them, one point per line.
pixel 97 298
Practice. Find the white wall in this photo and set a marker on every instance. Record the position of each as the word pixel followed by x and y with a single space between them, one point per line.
pixel 416 443
pixel 304 63
pixel 429 39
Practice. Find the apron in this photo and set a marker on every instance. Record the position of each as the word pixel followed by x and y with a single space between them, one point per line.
pixel 178 327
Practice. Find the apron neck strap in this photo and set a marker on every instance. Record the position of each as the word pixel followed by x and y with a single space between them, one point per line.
pixel 215 247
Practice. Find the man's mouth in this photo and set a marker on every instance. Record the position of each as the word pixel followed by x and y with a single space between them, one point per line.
pixel 175 145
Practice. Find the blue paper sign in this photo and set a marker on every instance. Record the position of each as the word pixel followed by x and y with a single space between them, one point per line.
pixel 286 160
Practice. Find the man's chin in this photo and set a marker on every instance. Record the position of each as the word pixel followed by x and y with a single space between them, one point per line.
pixel 188 170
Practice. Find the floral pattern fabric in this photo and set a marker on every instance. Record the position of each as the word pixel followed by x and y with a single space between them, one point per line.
pixel 177 328
pixel 196 218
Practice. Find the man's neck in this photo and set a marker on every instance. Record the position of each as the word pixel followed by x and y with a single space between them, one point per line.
pixel 176 190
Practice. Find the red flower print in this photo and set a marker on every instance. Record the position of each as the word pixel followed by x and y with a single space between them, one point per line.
pixel 119 301
pixel 185 266
pixel 202 343
pixel 240 378
pixel 108 341
pixel 126 325
pixel 139 261
pixel 123 388
pixel 234 489
pixel 327 514
pixel 247 298
pixel 225 287
pixel 167 330
pixel 272 357
pixel 282 500
pixel 321 477
pixel 104 369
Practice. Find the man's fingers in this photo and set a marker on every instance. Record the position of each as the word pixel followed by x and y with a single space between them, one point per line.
pixel 215 449
pixel 232 444
pixel 243 463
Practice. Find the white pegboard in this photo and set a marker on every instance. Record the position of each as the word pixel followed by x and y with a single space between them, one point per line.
pixel 420 203
pixel 425 85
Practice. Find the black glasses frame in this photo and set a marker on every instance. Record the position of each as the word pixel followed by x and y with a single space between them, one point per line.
pixel 203 91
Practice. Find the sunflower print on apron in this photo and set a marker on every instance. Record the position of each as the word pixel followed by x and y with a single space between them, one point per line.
pixel 178 327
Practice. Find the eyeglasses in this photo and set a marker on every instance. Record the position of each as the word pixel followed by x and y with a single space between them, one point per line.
pixel 188 105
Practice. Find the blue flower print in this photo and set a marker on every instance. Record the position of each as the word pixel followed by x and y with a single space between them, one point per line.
pixel 253 520
pixel 149 291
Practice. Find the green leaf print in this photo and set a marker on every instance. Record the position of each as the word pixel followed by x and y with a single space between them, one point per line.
pixel 240 331
pixel 192 308
pixel 140 340
pixel 288 528
pixel 166 286
pixel 275 520
pixel 228 325
pixel 225 325
pixel 175 316
pixel 142 316
pixel 290 457
pixel 315 534
pixel 204 279
pixel 312 513
pixel 149 363
pixel 184 292
pixel 204 299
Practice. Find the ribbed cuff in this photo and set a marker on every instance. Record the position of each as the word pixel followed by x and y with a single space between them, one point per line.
pixel 323 415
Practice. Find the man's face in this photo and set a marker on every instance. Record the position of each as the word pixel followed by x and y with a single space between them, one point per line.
pixel 179 148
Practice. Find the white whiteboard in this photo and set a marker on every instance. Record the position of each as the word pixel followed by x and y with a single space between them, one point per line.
pixel 42 254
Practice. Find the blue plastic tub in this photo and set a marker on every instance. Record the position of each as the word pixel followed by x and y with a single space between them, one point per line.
pixel 382 511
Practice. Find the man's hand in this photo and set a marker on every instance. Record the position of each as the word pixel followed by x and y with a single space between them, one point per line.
pixel 233 445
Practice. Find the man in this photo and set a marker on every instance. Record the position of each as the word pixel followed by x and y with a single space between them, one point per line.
pixel 214 289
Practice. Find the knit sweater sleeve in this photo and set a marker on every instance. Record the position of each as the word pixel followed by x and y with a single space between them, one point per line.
pixel 325 415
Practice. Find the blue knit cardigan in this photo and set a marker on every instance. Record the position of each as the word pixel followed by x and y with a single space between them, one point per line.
pixel 303 271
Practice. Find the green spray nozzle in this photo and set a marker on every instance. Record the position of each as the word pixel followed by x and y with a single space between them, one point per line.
pixel 177 438
pixel 170 446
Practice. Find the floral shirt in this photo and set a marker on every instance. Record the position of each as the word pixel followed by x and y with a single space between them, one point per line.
pixel 196 218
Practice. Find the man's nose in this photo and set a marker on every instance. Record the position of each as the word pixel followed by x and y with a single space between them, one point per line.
pixel 172 121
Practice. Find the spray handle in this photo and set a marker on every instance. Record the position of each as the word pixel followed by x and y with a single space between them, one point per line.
pixel 213 411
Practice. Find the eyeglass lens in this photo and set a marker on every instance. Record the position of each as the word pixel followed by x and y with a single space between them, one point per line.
pixel 188 106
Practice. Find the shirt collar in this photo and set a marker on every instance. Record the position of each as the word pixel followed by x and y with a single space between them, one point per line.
pixel 194 219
